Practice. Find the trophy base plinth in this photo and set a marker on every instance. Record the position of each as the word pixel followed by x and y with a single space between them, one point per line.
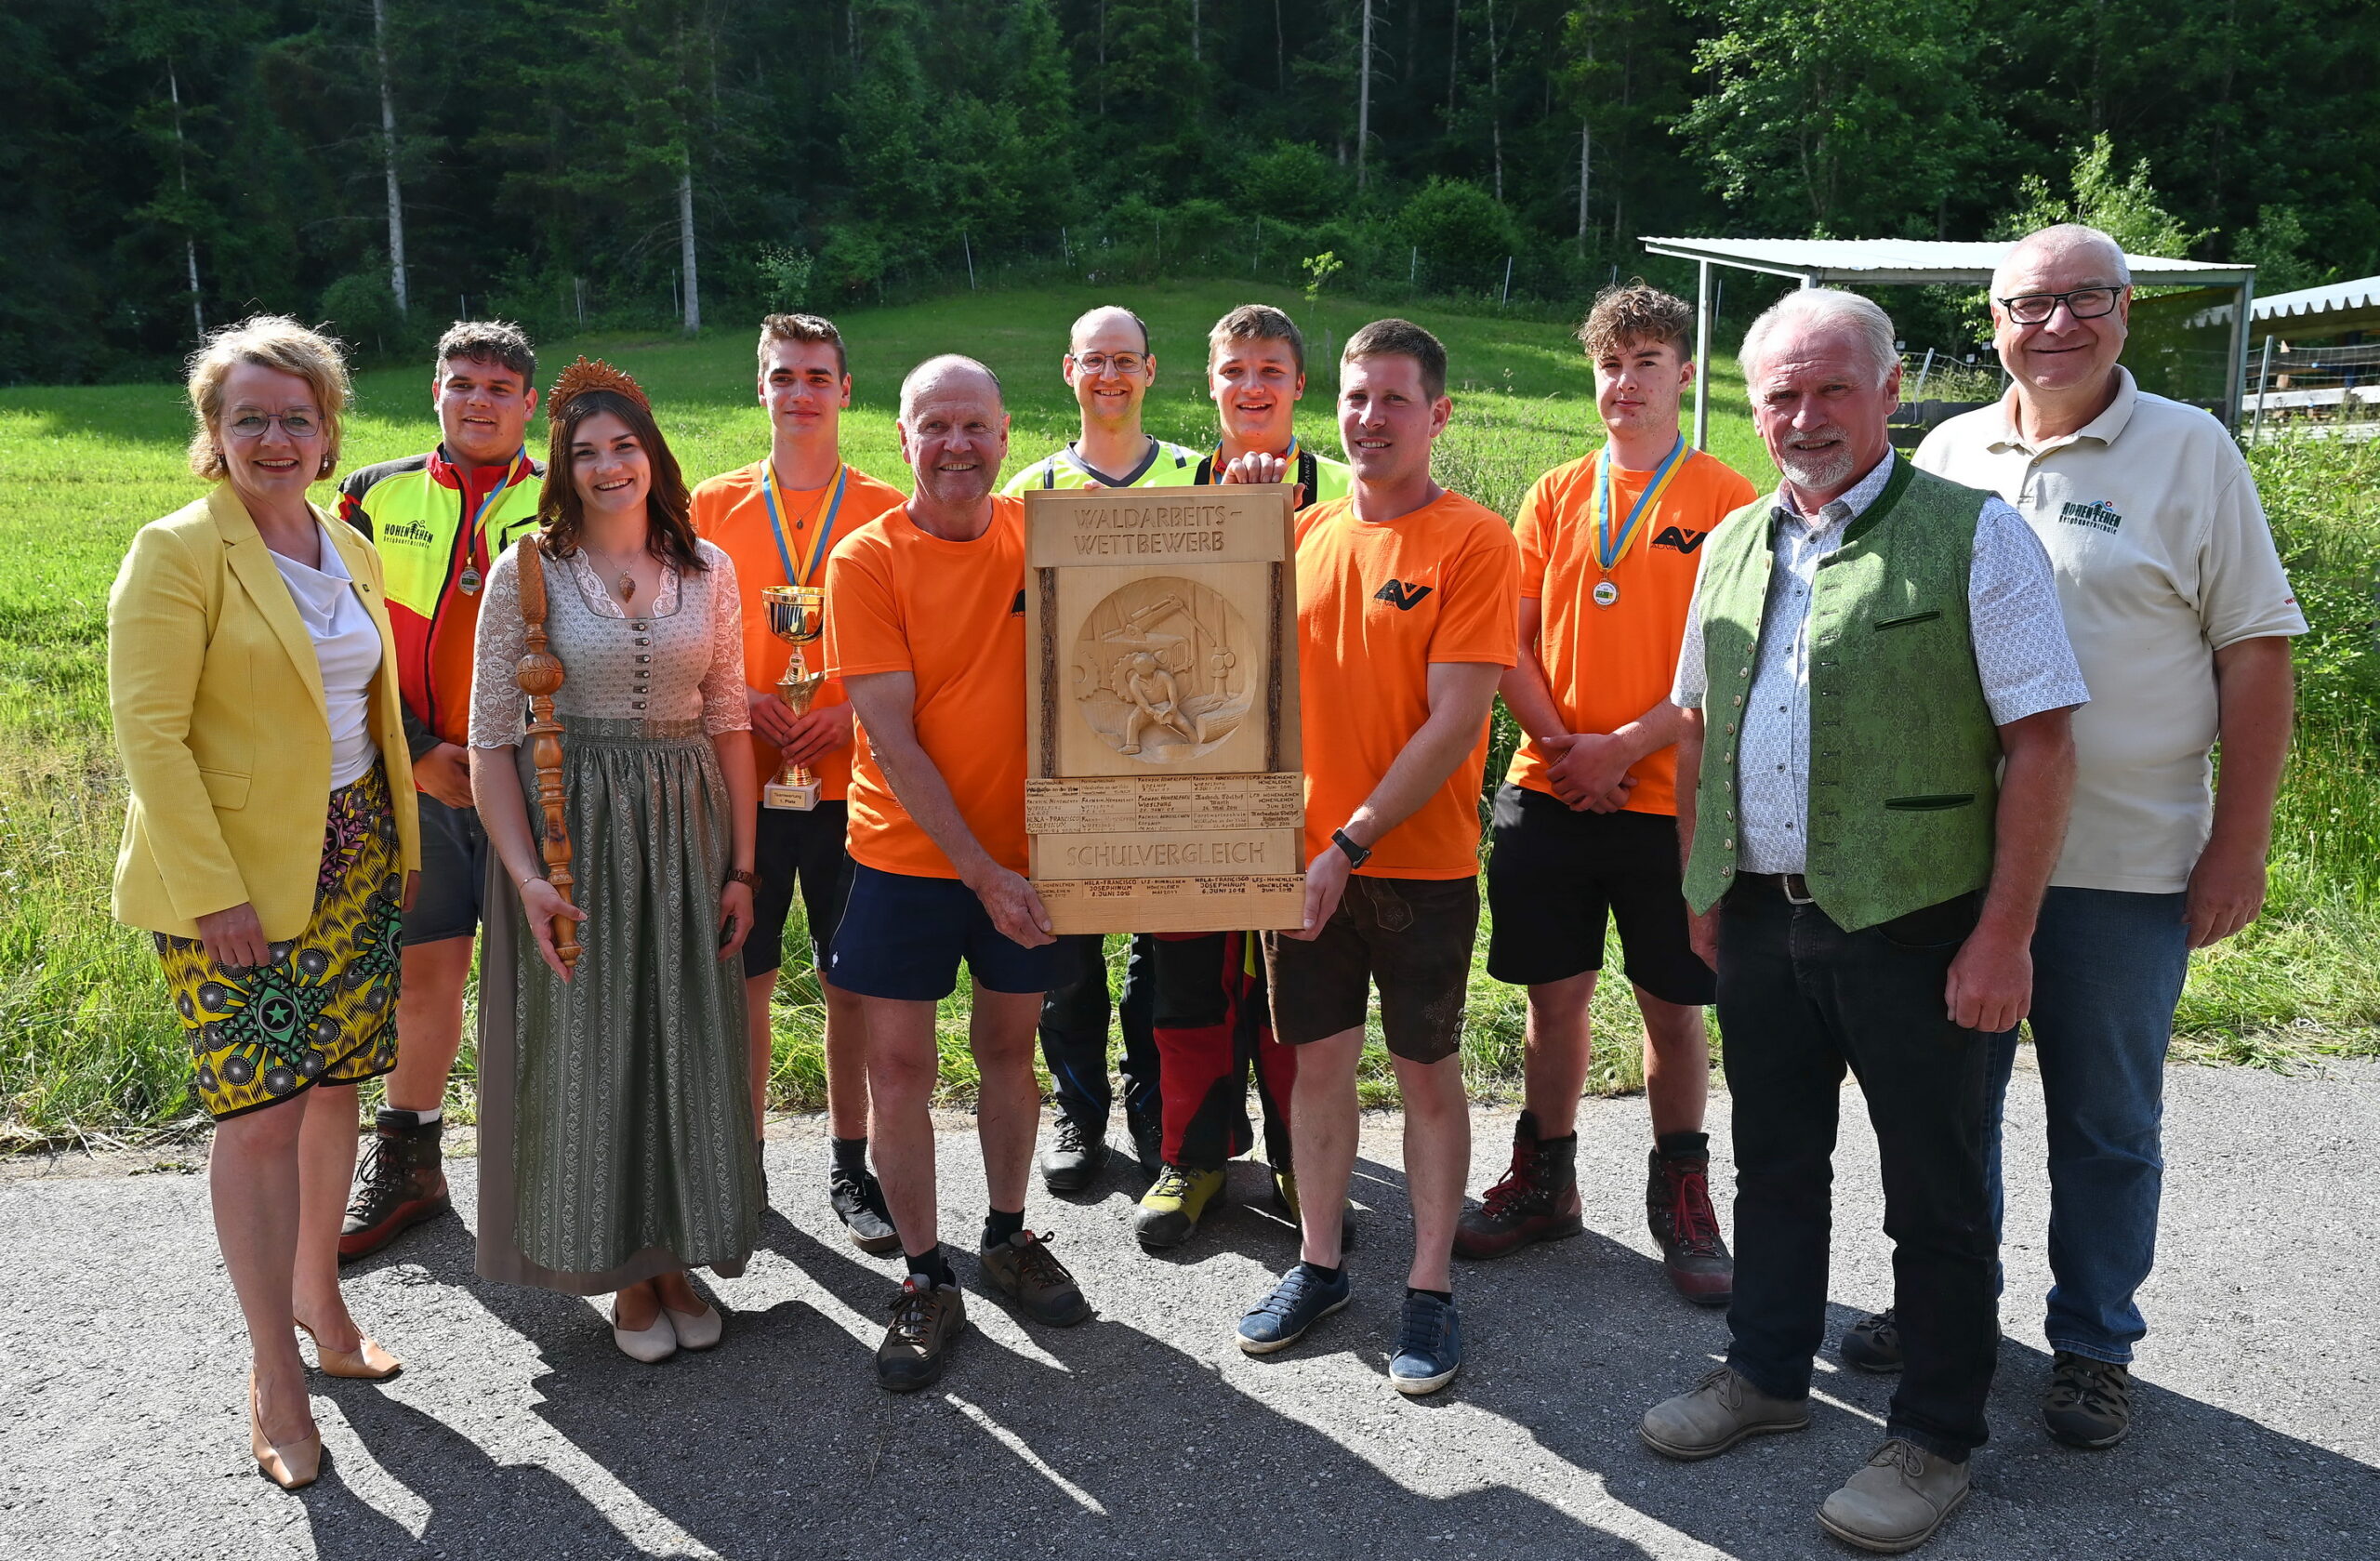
pixel 791 799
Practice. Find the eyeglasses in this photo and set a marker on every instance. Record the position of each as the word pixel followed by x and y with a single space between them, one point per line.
pixel 2083 303
pixel 1096 364
pixel 251 425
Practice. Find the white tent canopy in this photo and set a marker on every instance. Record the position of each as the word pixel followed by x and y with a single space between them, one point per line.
pixel 2339 297
pixel 1915 263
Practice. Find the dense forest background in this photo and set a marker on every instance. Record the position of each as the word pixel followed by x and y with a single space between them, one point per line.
pixel 170 163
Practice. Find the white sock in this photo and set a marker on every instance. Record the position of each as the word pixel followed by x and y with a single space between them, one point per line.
pixel 425 1118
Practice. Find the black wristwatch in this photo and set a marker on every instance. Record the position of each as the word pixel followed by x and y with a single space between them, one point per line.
pixel 1357 854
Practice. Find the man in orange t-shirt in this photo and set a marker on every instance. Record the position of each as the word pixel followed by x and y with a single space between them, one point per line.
pixel 1585 826
pixel 778 519
pixel 927 633
pixel 1406 619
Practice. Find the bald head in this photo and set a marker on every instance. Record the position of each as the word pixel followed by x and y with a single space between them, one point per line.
pixel 1109 323
pixel 2077 255
pixel 951 372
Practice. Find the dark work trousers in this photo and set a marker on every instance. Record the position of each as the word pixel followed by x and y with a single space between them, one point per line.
pixel 1214 1029
pixel 1798 999
pixel 1074 1033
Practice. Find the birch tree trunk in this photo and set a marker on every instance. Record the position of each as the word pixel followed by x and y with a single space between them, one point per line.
pixel 686 244
pixel 182 175
pixel 1364 99
pixel 389 155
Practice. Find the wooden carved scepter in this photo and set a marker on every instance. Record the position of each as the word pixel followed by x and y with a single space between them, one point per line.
pixel 539 675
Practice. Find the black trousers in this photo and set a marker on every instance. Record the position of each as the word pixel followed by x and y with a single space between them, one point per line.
pixel 1074 1033
pixel 1800 999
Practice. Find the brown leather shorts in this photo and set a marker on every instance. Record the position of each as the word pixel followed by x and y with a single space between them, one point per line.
pixel 1409 936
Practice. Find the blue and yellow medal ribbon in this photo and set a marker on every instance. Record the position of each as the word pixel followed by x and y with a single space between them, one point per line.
pixel 1289 454
pixel 513 476
pixel 826 527
pixel 1610 549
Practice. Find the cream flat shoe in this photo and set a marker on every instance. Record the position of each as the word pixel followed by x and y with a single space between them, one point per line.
pixel 696 1331
pixel 652 1344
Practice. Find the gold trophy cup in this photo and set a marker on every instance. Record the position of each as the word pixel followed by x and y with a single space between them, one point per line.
pixel 795 618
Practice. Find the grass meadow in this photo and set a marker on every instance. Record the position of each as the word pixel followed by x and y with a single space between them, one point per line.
pixel 88 1046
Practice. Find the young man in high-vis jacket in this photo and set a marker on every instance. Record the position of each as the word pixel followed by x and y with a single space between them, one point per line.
pixel 438 521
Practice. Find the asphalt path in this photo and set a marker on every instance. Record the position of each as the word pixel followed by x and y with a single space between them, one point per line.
pixel 517 1432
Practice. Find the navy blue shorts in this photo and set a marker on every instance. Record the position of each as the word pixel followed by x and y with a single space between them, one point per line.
pixel 903 936
pixel 454 874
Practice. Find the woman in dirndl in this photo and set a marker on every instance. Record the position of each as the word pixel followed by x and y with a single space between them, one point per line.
pixel 252 681
pixel 617 1142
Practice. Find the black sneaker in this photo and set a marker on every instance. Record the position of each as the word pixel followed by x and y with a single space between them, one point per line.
pixel 1148 1146
pixel 1076 1157
pixel 1872 1343
pixel 2089 1402
pixel 925 1320
pixel 859 1203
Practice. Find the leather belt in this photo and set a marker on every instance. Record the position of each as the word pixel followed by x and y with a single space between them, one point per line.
pixel 1794 886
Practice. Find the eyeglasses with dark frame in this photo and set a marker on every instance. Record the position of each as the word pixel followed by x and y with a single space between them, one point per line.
pixel 1097 363
pixel 2083 303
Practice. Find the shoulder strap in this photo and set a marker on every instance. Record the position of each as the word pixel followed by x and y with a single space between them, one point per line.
pixel 1309 476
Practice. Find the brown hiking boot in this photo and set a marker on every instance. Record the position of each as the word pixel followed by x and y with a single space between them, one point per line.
pixel 399 1181
pixel 1537 1199
pixel 1677 1208
pixel 925 1319
pixel 1023 1269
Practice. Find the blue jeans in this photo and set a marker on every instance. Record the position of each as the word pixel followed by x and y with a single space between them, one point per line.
pixel 2108 972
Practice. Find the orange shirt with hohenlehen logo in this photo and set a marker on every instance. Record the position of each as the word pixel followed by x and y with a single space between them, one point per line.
pixel 1607 665
pixel 732 510
pixel 1377 603
pixel 951 614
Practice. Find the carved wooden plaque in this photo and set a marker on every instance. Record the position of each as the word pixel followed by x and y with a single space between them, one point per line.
pixel 1164 791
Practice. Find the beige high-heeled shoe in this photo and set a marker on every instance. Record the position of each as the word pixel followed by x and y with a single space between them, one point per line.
pixel 290 1465
pixel 370 1364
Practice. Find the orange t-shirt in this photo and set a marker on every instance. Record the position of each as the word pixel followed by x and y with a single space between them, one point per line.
pixel 732 510
pixel 952 616
pixel 1377 603
pixel 1607 666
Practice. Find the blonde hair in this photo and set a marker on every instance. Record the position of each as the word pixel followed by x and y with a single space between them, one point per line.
pixel 269 341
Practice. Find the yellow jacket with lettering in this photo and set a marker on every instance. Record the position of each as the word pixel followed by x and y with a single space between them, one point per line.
pixel 219 716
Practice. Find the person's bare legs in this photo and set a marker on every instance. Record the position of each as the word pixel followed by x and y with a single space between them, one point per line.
pixel 676 1291
pixel 325 1168
pixel 1558 1048
pixel 1000 1032
pixel 429 1021
pixel 1322 1141
pixel 759 1045
pixel 253 1181
pixel 902 1068
pixel 1677 1065
pixel 846 1048
pixel 1437 1158
pixel 635 1308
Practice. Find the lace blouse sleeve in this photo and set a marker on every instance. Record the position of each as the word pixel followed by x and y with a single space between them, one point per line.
pixel 725 708
pixel 499 710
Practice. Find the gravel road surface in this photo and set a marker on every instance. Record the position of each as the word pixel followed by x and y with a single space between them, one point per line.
pixel 517 1432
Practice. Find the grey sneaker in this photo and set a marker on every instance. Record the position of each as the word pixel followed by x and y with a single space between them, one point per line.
pixel 2089 1402
pixel 1898 1501
pixel 1023 1269
pixel 1722 1409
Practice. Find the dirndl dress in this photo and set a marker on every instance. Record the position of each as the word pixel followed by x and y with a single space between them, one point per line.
pixel 616 1134
pixel 324 1012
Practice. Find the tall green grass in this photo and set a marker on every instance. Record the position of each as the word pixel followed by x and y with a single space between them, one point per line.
pixel 88 1045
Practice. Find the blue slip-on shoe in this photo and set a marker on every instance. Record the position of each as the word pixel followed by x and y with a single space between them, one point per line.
pixel 1429 1345
pixel 1300 1300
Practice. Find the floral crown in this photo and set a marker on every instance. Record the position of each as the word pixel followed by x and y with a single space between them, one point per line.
pixel 590 375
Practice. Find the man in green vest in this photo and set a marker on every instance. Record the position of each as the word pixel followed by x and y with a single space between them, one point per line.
pixel 1878 691
pixel 438 520
pixel 1109 367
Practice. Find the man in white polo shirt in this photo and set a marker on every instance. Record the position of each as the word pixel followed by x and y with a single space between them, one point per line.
pixel 2181 615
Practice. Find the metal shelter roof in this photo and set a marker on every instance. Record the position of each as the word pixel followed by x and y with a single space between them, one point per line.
pixel 2337 297
pixel 1913 262
pixel 1924 262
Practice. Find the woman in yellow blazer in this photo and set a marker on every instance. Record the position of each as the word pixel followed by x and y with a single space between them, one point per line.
pixel 254 686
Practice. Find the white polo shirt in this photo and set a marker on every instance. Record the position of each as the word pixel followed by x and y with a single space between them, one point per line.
pixel 2162 558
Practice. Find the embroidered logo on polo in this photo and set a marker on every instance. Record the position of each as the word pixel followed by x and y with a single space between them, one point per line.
pixel 2099 515
pixel 1677 539
pixel 1404 598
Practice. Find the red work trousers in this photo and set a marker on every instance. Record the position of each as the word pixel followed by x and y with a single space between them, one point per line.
pixel 1214 1029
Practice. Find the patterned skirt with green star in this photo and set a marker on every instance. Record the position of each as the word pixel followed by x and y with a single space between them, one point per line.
pixel 324 1012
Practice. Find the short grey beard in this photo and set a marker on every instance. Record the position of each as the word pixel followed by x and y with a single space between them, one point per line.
pixel 1830 473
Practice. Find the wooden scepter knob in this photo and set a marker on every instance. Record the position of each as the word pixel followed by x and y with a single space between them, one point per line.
pixel 539 675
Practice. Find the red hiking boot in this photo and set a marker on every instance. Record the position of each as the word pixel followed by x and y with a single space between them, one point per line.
pixel 1677 1208
pixel 1537 1199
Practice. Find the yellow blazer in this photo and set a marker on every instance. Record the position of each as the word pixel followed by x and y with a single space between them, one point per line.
pixel 220 718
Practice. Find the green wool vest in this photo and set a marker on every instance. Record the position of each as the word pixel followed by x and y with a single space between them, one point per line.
pixel 1904 755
